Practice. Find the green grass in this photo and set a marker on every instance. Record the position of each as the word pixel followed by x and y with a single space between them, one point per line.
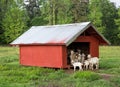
pixel 86 76
pixel 12 74
pixel 110 52
pixel 110 59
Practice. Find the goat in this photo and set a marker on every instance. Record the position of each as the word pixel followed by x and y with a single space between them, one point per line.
pixel 77 64
pixel 93 61
pixel 89 56
pixel 86 64
pixel 72 56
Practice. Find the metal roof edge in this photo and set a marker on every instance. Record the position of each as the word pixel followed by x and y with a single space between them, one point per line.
pixel 80 32
pixel 12 43
pixel 38 44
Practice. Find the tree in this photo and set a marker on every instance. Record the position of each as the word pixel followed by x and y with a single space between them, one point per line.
pixel 103 14
pixel 109 12
pixel 117 21
pixel 4 5
pixel 65 11
pixel 54 11
pixel 95 15
pixel 13 23
pixel 32 8
pixel 37 21
pixel 79 9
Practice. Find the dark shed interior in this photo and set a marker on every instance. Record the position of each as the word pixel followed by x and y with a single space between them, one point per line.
pixel 84 47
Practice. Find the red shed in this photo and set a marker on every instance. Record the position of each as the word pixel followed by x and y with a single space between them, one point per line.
pixel 47 46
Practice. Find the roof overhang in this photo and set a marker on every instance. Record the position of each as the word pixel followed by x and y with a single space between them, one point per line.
pixel 101 38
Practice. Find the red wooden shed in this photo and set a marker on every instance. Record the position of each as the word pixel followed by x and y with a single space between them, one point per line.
pixel 46 46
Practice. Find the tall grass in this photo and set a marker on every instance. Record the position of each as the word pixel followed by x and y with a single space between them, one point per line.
pixel 12 74
pixel 110 59
pixel 109 52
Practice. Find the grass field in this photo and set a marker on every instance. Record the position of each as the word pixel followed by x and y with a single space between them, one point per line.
pixel 14 75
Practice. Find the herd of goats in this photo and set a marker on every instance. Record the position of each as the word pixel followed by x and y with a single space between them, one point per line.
pixel 78 60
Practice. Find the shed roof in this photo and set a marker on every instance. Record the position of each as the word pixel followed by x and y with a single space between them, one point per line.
pixel 54 34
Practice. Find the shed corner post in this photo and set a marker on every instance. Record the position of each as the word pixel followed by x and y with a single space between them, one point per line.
pixel 64 56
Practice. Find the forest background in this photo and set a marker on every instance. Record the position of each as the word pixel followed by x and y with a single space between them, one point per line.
pixel 17 16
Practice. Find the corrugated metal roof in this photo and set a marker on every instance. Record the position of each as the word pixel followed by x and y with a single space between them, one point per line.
pixel 54 34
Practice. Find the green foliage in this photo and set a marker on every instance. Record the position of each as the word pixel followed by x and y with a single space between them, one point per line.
pixel 12 20
pixel 13 24
pixel 37 21
pixel 95 14
pixel 64 11
pixel 117 21
pixel 78 9
pixel 32 8
pixel 110 13
pixel 4 4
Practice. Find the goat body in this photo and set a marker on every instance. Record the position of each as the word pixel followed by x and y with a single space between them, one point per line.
pixel 77 64
pixel 94 61
pixel 86 64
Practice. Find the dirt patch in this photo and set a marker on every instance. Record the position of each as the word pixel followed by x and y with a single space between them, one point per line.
pixel 69 71
pixel 106 76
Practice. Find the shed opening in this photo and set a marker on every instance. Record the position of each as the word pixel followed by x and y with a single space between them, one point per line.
pixel 84 47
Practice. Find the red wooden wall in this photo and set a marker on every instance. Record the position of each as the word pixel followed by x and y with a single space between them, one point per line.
pixel 94 44
pixel 43 56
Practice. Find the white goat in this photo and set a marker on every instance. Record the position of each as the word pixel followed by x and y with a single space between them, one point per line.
pixel 77 64
pixel 93 61
pixel 86 64
pixel 72 56
pixel 89 56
